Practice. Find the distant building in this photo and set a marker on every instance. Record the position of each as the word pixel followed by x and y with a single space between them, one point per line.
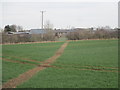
pixel 61 32
pixel 56 32
pixel 17 33
pixel 37 31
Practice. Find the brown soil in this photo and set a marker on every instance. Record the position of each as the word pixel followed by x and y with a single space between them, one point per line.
pixel 49 59
pixel 94 39
pixel 87 66
pixel 47 65
pixel 22 78
pixel 17 61
pixel 27 75
pixel 26 59
pixel 29 60
pixel 85 69
pixel 57 54
pixel 51 41
pixel 99 70
pixel 29 42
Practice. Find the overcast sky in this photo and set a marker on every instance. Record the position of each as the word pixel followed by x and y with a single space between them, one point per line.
pixel 61 14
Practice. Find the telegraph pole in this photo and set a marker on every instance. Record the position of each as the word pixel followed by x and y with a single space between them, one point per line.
pixel 42 19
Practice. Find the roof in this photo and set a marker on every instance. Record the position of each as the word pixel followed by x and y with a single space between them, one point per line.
pixel 63 31
pixel 60 31
pixel 18 32
pixel 37 31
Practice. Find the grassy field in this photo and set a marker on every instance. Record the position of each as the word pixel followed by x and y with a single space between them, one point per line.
pixel 91 53
pixel 23 53
pixel 35 51
pixel 84 64
pixel 12 70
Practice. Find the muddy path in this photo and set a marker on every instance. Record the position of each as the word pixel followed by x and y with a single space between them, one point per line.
pixel 26 59
pixel 84 69
pixel 62 67
pixel 29 42
pixel 78 65
pixel 13 61
pixel 62 64
pixel 27 75
pixel 91 68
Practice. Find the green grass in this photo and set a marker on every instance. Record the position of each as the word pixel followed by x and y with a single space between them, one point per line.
pixel 103 53
pixel 91 53
pixel 66 78
pixel 35 51
pixel 11 70
pixel 19 59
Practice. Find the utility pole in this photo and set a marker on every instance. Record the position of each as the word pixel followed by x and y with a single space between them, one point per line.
pixel 42 19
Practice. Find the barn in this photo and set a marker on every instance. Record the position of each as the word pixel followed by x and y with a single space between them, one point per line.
pixel 37 31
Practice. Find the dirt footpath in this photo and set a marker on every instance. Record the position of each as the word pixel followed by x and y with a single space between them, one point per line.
pixel 27 75
pixel 29 42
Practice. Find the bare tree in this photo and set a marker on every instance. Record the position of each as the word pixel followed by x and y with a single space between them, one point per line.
pixel 7 28
pixel 104 28
pixel 13 28
pixel 101 33
pixel 10 28
pixel 19 28
pixel 49 36
pixel 48 25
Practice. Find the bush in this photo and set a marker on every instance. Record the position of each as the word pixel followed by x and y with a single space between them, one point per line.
pixel 49 36
pixel 17 38
pixel 92 34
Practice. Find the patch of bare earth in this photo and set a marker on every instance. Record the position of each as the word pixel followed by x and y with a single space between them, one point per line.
pixel 85 69
pixel 17 61
pixel 26 59
pixel 46 64
pixel 29 42
pixel 27 75
pixel 62 64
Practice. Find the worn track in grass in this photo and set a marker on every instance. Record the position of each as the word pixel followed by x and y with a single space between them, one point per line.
pixel 13 61
pixel 26 59
pixel 27 75
pixel 29 42
pixel 62 64
pixel 91 68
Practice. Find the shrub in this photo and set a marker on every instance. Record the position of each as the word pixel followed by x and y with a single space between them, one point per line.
pixel 92 34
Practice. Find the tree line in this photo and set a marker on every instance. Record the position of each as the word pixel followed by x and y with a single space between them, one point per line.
pixel 99 33
pixel 13 28
pixel 93 34
pixel 18 38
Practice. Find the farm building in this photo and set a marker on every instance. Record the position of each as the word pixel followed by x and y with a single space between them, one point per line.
pixel 61 32
pixel 9 33
pixel 37 31
pixel 58 32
